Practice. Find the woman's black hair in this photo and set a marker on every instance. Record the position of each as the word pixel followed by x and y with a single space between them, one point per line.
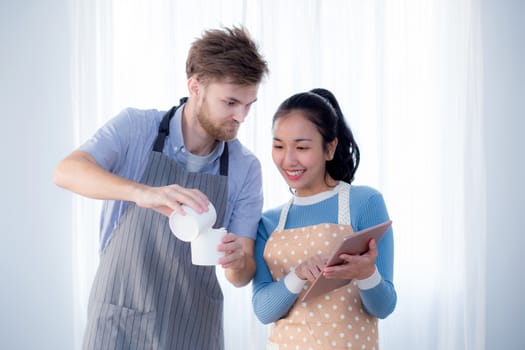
pixel 321 108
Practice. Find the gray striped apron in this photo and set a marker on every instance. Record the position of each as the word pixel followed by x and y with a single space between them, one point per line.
pixel 146 293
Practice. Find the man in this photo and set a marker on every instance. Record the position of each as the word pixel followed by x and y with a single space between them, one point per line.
pixel 145 165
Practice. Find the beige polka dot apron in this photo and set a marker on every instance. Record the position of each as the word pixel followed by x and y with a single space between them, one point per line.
pixel 335 320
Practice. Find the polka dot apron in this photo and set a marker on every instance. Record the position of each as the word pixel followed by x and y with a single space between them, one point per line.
pixel 335 320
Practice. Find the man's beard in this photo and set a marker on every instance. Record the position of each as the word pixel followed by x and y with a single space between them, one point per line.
pixel 223 132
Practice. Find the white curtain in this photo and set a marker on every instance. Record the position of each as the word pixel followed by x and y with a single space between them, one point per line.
pixel 407 75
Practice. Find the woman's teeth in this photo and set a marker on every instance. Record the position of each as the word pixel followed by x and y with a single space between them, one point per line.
pixel 295 172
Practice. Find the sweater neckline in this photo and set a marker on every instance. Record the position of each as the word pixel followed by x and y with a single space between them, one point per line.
pixel 318 197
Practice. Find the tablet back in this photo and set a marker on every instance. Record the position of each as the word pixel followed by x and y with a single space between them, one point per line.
pixel 354 244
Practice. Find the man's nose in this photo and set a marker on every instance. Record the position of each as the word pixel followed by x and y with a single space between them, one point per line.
pixel 241 113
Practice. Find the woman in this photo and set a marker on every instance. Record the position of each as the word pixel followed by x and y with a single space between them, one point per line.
pixel 317 155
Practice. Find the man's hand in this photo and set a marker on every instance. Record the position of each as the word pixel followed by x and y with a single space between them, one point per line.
pixel 169 199
pixel 238 261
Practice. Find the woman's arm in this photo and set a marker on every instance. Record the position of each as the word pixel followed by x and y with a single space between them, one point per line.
pixel 271 299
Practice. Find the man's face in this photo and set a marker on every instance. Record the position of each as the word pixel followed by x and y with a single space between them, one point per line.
pixel 223 107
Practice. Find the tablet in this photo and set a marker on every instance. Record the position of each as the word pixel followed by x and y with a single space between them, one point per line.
pixel 354 244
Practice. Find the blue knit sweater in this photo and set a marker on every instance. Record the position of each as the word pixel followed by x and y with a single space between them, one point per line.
pixel 272 300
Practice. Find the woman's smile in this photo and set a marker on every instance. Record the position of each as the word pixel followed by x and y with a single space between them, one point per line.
pixel 294 174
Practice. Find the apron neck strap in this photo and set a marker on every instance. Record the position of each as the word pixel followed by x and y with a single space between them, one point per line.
pixel 343 215
pixel 224 160
pixel 164 127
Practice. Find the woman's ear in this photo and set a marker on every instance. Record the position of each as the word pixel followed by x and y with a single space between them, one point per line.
pixel 330 151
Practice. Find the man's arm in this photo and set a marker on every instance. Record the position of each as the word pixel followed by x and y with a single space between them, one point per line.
pixel 80 173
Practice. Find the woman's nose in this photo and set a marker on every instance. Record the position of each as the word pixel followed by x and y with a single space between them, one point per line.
pixel 289 157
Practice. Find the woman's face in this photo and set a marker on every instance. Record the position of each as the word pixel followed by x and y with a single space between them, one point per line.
pixel 299 155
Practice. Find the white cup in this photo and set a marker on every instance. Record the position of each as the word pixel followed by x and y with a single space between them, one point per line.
pixel 204 247
pixel 187 227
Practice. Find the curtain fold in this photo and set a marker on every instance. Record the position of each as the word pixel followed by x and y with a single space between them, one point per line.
pixel 92 94
pixel 408 77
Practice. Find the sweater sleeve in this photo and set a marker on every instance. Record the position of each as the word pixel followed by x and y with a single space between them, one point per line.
pixel 380 300
pixel 271 299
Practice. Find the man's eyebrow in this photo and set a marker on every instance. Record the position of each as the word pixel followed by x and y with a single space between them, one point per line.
pixel 233 99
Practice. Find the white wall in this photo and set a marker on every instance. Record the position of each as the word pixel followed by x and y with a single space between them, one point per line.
pixel 503 25
pixel 35 235
pixel 35 217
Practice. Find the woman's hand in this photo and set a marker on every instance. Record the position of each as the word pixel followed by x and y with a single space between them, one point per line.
pixel 311 268
pixel 354 266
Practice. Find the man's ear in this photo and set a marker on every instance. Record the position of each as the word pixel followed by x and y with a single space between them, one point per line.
pixel 193 86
